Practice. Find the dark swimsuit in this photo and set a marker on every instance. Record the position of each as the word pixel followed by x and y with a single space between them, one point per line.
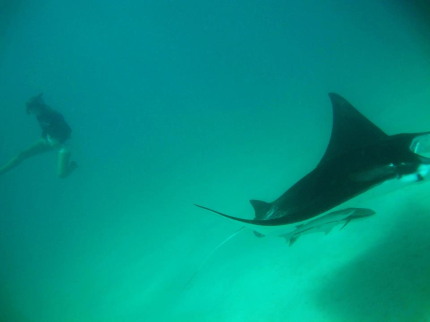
pixel 54 126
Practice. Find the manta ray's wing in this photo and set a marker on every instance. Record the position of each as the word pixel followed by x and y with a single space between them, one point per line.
pixel 350 129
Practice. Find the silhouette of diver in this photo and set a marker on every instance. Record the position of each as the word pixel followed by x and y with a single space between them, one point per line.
pixel 55 132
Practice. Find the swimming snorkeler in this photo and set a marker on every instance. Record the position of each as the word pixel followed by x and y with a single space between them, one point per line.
pixel 55 132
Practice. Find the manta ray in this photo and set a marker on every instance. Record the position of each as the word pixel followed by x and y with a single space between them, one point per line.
pixel 358 158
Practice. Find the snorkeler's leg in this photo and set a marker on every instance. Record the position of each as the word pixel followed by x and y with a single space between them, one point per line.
pixel 39 147
pixel 65 166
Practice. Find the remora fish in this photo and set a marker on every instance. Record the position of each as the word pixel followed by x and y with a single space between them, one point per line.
pixel 327 222
pixel 359 157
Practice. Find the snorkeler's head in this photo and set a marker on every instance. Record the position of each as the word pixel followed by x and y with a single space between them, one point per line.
pixel 36 104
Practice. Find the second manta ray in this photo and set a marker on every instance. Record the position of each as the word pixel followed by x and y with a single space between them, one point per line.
pixel 359 157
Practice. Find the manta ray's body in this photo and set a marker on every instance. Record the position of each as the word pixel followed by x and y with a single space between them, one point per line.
pixel 359 157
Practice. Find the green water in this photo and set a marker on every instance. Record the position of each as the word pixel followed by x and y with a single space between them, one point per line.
pixel 211 102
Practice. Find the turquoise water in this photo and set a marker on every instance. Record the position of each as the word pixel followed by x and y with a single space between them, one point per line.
pixel 174 103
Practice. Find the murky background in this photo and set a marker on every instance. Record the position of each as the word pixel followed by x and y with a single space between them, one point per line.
pixel 211 102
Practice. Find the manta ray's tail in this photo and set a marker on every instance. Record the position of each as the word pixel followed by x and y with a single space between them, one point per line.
pixel 261 208
pixel 209 256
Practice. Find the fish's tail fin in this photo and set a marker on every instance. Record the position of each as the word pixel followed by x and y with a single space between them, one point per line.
pixel 292 240
pixel 257 234
pixel 261 208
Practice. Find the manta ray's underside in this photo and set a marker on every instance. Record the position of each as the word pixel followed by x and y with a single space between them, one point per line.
pixel 359 157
